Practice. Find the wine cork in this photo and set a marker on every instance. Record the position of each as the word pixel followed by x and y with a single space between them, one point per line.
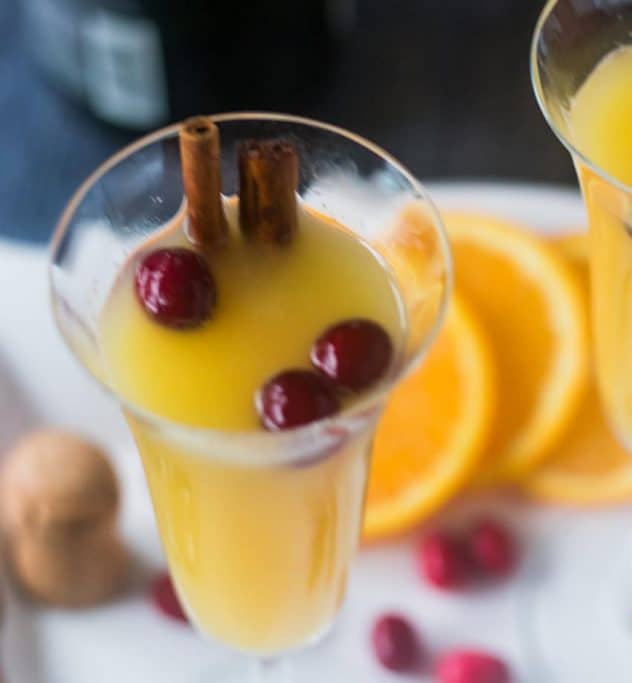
pixel 59 498
pixel 81 572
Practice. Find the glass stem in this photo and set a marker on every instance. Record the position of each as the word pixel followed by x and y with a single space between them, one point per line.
pixel 275 670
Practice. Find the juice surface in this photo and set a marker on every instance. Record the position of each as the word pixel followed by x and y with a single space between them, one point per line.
pixel 259 554
pixel 600 121
pixel 600 126
pixel 273 302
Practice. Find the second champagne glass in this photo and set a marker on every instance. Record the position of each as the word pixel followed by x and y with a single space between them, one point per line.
pixel 579 614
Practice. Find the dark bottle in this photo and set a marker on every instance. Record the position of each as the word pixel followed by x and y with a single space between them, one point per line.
pixel 141 63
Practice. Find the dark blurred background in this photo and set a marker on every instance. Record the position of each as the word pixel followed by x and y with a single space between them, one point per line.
pixel 443 84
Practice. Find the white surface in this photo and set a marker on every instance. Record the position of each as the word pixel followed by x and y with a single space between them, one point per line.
pixel 127 641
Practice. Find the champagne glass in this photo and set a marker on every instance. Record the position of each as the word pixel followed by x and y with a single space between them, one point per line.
pixel 582 617
pixel 259 528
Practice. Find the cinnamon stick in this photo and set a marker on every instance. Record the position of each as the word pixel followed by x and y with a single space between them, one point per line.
pixel 268 179
pixel 201 176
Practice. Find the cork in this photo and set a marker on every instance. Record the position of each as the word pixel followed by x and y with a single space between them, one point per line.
pixel 85 572
pixel 59 499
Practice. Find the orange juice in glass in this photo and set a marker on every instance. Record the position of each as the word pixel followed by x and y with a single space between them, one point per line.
pixel 600 124
pixel 226 527
pixel 582 71
pixel 259 519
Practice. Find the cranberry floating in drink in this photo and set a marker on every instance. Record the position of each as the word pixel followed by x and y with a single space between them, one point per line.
pixel 294 398
pixel 354 353
pixel 175 287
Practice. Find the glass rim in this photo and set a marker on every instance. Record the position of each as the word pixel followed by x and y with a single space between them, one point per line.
pixel 353 412
pixel 536 84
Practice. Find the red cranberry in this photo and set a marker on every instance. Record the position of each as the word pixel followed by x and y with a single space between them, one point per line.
pixel 396 644
pixel 492 549
pixel 176 287
pixel 294 398
pixel 442 562
pixel 470 666
pixel 353 353
pixel 165 598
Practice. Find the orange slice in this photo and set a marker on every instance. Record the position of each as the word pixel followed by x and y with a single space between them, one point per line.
pixel 529 302
pixel 430 438
pixel 588 466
